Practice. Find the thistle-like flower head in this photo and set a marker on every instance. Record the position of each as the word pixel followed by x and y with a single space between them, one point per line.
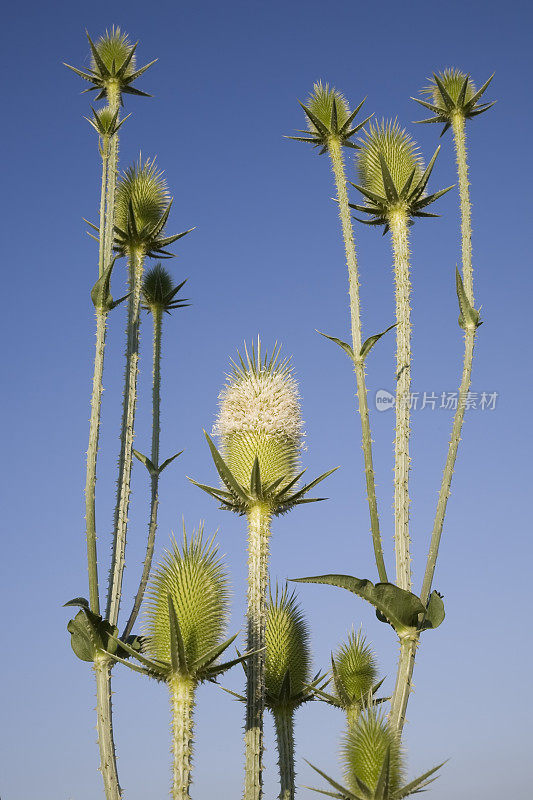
pixel 112 65
pixel 142 206
pixel 287 654
pixel 392 175
pixel 453 93
pixel 328 116
pixel 260 430
pixel 354 669
pixel 105 121
pixel 159 291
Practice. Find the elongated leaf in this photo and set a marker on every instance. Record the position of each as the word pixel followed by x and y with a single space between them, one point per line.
pixel 255 480
pixel 225 473
pixel 178 658
pixel 147 463
pixel 462 93
pixel 299 494
pixel 321 128
pixel 422 183
pixel 169 461
pixel 151 664
pixel 344 792
pixel 207 658
pixel 369 343
pixel 388 183
pixel 80 602
pixel 344 345
pixel 218 494
pixel 375 198
pixel 448 102
pixel 418 783
pixel 218 669
pixel 104 72
pixel 469 316
pixel 436 109
pixel 473 100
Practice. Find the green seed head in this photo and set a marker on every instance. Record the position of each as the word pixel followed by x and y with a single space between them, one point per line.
pixel 453 81
pixel 260 417
pixel 198 586
pixel 287 647
pixel 365 748
pixel 114 46
pixel 141 200
pixel 320 103
pixel 356 667
pixel 399 151
pixel 454 95
pixel 157 285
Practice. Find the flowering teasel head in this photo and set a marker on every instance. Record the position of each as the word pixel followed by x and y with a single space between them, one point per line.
pixel 392 175
pixel 159 291
pixel 112 65
pixel 328 116
pixel 454 94
pixel 105 121
pixel 260 430
pixel 142 206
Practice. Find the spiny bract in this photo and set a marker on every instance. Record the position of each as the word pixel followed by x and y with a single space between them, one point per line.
pixel 356 667
pixel 400 153
pixel 260 417
pixel 453 81
pixel 114 46
pixel 287 646
pixel 365 748
pixel 454 95
pixel 198 586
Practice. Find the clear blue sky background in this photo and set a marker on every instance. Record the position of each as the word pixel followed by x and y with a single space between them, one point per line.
pixel 266 258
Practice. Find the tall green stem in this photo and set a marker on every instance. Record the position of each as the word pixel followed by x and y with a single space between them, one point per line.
pixel 182 701
pixel 258 549
pixel 458 125
pixel 403 685
pixel 113 98
pixel 108 764
pixel 284 722
pixel 157 315
pixel 337 163
pixel 400 245
pixel 136 263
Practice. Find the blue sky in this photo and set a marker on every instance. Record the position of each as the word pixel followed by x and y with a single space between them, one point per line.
pixel 266 258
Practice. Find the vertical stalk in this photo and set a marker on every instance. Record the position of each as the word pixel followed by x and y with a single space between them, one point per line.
pixel 400 245
pixel 108 765
pixel 284 722
pixel 337 163
pixel 458 126
pixel 136 263
pixel 113 98
pixel 403 686
pixel 258 548
pixel 157 316
pixel 182 701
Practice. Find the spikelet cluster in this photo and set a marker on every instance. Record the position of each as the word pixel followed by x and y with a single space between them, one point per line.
pixel 287 645
pixel 356 667
pixel 114 46
pixel 364 750
pixel 144 187
pixel 260 417
pixel 398 149
pixel 197 583
pixel 320 103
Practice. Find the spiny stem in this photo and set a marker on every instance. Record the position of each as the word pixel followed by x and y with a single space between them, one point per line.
pixel 402 688
pixel 400 246
pixel 258 549
pixel 108 764
pixel 136 263
pixel 337 163
pixel 113 98
pixel 157 314
pixel 284 722
pixel 182 701
pixel 458 125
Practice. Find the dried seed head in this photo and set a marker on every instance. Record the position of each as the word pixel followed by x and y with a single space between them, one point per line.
pixel 114 46
pixel 197 583
pixel 287 645
pixel 144 189
pixel 365 748
pixel 260 417
pixel 399 151
pixel 356 667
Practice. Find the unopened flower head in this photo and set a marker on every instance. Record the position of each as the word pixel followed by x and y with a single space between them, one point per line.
pixel 260 417
pixel 356 667
pixel 365 748
pixel 287 645
pixel 114 47
pixel 453 81
pixel 320 103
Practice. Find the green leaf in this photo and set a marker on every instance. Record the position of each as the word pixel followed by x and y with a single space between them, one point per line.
pixel 473 100
pixel 469 316
pixel 147 463
pixel 225 473
pixel 375 198
pixel 321 128
pixel 217 669
pixel 100 293
pixel 432 197
pixel 369 343
pixel 218 494
pixel 462 93
pixel 140 71
pixel 388 183
pixel 334 117
pixel 104 72
pixel 351 117
pixel 153 665
pixel 81 637
pixel 84 75
pixel 168 461
pixel 81 602
pixel 398 606
pixel 436 109
pixel 207 658
pixel 448 102
pixel 407 185
pixel 418 783
pixel 422 183
pixel 345 346
pixel 178 657
pixel 300 493
pixel 435 613
pixel 345 793
pixel 255 480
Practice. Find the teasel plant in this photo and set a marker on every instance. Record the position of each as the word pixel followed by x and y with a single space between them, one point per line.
pixel 374 763
pixel 143 205
pixel 160 297
pixel 185 623
pixel 260 431
pixel 354 678
pixel 331 129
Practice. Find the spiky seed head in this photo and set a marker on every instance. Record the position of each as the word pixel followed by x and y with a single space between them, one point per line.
pixel 106 121
pixel 453 81
pixel 320 103
pixel 399 151
pixel 260 417
pixel 356 667
pixel 287 645
pixel 197 583
pixel 143 188
pixel 114 46
pixel 454 96
pixel 157 286
pixel 365 748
